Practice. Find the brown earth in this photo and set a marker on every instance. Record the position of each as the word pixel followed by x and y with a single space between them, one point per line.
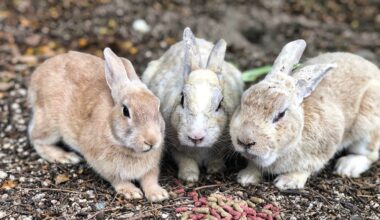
pixel 31 31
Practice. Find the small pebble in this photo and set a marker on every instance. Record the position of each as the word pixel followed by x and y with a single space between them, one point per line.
pixel 3 175
pixel 141 26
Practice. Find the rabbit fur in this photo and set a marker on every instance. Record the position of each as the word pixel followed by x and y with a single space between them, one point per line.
pixel 199 92
pixel 292 124
pixel 103 111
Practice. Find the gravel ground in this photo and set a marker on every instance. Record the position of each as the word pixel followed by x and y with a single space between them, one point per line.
pixel 31 31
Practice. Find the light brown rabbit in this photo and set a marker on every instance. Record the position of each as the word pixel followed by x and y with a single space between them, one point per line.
pixel 111 118
pixel 292 124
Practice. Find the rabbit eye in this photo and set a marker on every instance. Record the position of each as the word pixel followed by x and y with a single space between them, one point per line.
pixel 126 112
pixel 279 116
pixel 220 105
pixel 182 100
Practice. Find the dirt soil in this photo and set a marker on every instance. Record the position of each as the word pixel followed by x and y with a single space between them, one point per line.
pixel 32 31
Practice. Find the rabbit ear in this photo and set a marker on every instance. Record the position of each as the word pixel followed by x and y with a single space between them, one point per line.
pixel 192 55
pixel 116 74
pixel 216 58
pixel 289 56
pixel 308 77
pixel 132 75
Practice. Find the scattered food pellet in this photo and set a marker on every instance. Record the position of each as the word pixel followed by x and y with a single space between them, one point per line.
pixel 218 206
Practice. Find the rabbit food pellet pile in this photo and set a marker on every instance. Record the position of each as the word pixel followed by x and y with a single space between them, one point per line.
pixel 217 206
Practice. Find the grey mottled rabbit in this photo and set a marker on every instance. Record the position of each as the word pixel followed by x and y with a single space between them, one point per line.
pixel 198 92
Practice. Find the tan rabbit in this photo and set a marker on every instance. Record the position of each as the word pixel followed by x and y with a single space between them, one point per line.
pixel 292 124
pixel 199 92
pixel 110 118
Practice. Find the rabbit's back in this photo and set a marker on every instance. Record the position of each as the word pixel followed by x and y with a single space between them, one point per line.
pixel 67 88
pixel 346 84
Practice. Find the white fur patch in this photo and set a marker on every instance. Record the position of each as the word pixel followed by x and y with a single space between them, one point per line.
pixel 248 176
pixel 352 165
pixel 359 147
pixel 200 98
pixel 291 181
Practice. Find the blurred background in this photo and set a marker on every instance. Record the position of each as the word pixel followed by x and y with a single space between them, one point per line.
pixel 142 30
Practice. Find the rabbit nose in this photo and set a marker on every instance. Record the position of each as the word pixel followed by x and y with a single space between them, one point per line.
pixel 246 144
pixel 196 139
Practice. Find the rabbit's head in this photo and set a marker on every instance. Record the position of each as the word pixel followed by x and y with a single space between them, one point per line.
pixel 136 122
pixel 199 116
pixel 270 120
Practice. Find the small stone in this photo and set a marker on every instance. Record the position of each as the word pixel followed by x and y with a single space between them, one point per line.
pixel 2 214
pixel 4 197
pixel 38 197
pixel 5 86
pixel 90 194
pixel 100 205
pixel 126 215
pixel 141 26
pixel 165 215
pixel 15 106
pixel 3 174
pixel 46 183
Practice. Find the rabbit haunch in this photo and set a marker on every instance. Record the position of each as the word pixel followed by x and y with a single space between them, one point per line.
pixel 292 124
pixel 198 92
pixel 103 111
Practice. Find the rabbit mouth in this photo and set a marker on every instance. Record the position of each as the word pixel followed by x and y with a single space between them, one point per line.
pixel 263 161
pixel 249 156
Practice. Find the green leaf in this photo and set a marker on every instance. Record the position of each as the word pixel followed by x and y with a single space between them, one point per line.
pixel 253 74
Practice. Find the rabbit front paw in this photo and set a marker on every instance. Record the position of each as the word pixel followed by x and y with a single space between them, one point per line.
pixel 291 180
pixel 248 176
pixel 129 191
pixel 352 165
pixel 216 166
pixel 156 194
pixel 189 174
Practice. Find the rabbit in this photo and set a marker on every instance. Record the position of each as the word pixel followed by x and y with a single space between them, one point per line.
pixel 199 92
pixel 293 122
pixel 103 111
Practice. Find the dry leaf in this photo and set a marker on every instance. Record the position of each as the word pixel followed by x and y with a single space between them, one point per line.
pixel 83 42
pixel 61 178
pixel 9 184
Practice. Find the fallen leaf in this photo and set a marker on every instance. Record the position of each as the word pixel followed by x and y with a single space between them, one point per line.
pixel 9 184
pixel 82 42
pixel 5 86
pixel 31 60
pixel 133 50
pixel 61 178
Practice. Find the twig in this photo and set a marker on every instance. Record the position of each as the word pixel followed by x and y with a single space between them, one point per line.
pixel 206 187
pixel 58 190
pixel 321 196
pixel 104 210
